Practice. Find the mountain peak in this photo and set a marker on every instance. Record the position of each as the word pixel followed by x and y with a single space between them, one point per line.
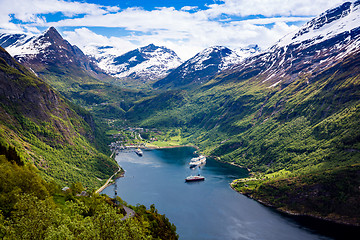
pixel 216 50
pixel 51 29
pixel 52 33
pixel 151 46
pixel 203 66
pixel 146 63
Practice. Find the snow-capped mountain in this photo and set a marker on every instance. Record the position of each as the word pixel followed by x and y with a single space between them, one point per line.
pixel 14 41
pixel 318 45
pixel 47 49
pixel 334 21
pixel 205 65
pixel 146 63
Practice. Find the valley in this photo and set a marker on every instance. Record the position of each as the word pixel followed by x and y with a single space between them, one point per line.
pixel 289 114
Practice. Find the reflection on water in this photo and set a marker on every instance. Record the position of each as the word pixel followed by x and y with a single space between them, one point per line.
pixel 201 210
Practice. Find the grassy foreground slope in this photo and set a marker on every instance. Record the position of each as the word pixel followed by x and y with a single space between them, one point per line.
pixel 48 131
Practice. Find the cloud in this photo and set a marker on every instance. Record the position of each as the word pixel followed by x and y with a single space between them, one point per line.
pixel 29 11
pixel 87 40
pixel 184 32
pixel 189 8
pixel 187 31
pixel 188 43
pixel 270 8
pixel 271 20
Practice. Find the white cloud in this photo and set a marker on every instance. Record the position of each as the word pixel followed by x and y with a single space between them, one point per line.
pixel 188 8
pixel 28 11
pixel 270 8
pixel 186 31
pixel 86 40
pixel 262 21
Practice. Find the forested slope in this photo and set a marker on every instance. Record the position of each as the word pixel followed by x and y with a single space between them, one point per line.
pixel 48 131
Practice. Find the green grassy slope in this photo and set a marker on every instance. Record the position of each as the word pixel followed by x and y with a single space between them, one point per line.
pixel 47 131
pixel 101 98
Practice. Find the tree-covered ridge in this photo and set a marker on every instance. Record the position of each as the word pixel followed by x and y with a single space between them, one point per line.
pixel 31 208
pixel 48 131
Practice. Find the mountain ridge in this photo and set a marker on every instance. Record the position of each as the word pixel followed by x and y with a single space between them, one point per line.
pixel 302 57
pixel 145 64
pixel 204 65
pixel 41 52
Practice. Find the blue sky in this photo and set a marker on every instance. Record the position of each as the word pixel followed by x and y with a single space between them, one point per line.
pixel 186 26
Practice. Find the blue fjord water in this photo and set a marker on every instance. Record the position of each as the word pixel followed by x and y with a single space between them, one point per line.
pixel 202 210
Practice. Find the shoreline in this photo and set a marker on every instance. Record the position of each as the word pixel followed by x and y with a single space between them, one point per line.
pixel 294 213
pixel 108 182
pixel 230 163
pixel 168 147
pixel 282 211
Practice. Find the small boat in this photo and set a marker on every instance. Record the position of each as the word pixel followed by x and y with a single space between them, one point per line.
pixel 139 152
pixel 194 178
pixel 194 162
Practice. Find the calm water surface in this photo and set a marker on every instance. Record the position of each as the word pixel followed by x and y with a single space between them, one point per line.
pixel 201 210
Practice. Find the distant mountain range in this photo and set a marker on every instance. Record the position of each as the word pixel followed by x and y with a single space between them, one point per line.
pixel 147 63
pixel 204 65
pixel 163 67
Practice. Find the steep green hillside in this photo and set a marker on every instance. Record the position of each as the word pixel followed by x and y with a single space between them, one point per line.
pixel 101 98
pixel 47 130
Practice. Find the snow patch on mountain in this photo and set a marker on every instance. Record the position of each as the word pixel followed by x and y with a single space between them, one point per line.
pixel 205 65
pixel 21 44
pixel 149 63
pixel 219 56
pixel 342 18
pixel 23 47
pixel 239 55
